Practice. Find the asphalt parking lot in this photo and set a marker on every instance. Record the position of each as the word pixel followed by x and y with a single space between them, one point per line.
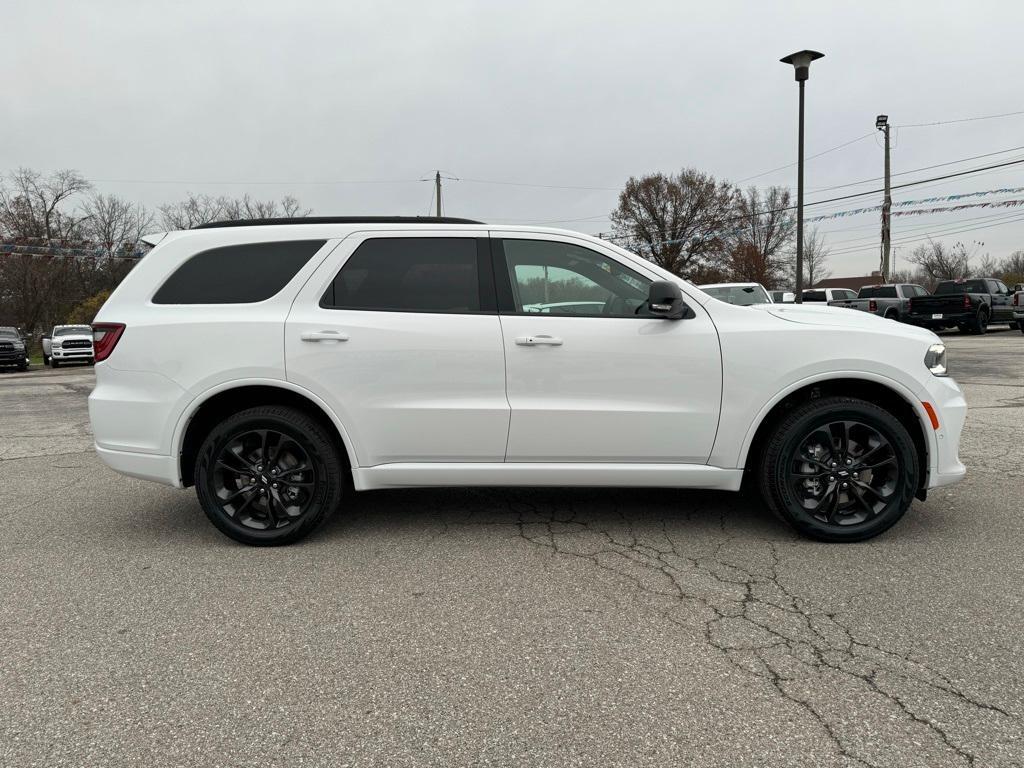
pixel 507 627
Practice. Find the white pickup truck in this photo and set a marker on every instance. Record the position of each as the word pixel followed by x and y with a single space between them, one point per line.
pixel 68 343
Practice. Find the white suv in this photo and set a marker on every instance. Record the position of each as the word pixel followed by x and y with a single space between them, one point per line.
pixel 278 365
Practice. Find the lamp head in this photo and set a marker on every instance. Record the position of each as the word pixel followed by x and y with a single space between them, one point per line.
pixel 801 61
pixel 881 122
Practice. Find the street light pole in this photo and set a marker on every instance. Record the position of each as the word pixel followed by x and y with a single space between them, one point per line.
pixel 801 62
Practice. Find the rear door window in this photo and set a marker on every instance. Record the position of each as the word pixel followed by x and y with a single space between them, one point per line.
pixel 450 275
pixel 236 274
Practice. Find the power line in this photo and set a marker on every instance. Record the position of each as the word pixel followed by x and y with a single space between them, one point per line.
pixel 539 186
pixel 917 170
pixel 1010 220
pixel 812 157
pixel 961 120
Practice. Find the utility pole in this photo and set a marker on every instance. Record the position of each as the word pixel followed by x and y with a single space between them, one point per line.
pixel 882 124
pixel 437 190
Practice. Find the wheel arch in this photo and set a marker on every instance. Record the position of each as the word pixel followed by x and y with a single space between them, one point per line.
pixel 219 402
pixel 887 393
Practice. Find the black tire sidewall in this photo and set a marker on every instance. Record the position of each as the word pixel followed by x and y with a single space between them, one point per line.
pixel 314 441
pixel 796 428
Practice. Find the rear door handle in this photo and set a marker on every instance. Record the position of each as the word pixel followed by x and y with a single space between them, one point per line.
pixel 324 336
pixel 533 341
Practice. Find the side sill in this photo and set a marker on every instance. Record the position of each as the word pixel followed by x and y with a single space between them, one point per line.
pixel 423 475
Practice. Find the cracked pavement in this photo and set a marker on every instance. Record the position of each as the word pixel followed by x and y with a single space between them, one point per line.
pixel 551 627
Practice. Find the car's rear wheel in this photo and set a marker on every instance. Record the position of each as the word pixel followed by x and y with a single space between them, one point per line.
pixel 269 475
pixel 980 325
pixel 839 469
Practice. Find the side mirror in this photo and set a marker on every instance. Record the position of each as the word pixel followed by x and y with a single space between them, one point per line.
pixel 664 299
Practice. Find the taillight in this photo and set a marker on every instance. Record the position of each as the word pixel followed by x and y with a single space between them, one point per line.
pixel 1016 299
pixel 967 301
pixel 872 306
pixel 104 338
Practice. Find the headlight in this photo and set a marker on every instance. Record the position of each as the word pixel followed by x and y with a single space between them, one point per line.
pixel 935 359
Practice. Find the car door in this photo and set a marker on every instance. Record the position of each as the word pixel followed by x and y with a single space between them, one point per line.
pixel 612 384
pixel 398 332
pixel 1002 301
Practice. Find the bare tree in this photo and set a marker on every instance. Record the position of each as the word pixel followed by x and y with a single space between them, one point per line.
pixel 32 204
pixel 115 225
pixel 940 262
pixel 191 212
pixel 203 209
pixel 677 221
pixel 816 254
pixel 761 236
pixel 987 266
pixel 1011 269
pixel 246 207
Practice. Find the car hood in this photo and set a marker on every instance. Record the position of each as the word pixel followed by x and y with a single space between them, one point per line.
pixel 843 318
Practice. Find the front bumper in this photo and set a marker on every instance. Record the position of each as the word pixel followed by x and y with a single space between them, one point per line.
pixel 85 353
pixel 13 358
pixel 945 396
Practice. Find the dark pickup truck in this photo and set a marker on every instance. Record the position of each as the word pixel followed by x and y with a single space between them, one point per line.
pixel 12 349
pixel 970 305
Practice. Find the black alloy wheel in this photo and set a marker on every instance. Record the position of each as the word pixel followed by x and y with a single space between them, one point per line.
pixel 840 469
pixel 268 475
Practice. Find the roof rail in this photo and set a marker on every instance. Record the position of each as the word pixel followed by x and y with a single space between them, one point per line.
pixel 338 220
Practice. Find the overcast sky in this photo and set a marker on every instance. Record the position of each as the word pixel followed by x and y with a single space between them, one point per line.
pixel 153 100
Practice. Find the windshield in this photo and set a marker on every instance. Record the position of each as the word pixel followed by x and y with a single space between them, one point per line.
pixel 9 333
pixel 741 295
pixel 878 292
pixel 964 286
pixel 73 330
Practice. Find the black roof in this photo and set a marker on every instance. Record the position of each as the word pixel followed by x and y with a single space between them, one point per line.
pixel 339 220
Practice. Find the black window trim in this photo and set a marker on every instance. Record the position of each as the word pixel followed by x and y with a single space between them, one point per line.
pixel 484 269
pixel 507 304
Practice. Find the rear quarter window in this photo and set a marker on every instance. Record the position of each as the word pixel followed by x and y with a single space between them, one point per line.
pixel 236 274
pixel 879 292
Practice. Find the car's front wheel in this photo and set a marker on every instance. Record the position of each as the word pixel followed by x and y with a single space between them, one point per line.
pixel 269 475
pixel 839 469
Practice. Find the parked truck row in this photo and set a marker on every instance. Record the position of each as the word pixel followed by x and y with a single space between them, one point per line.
pixel 970 305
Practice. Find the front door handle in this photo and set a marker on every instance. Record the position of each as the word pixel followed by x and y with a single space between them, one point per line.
pixel 324 336
pixel 533 341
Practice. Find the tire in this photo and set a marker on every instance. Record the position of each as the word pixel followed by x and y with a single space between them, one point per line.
pixel 830 513
pixel 892 314
pixel 980 325
pixel 46 360
pixel 1020 324
pixel 54 363
pixel 241 452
